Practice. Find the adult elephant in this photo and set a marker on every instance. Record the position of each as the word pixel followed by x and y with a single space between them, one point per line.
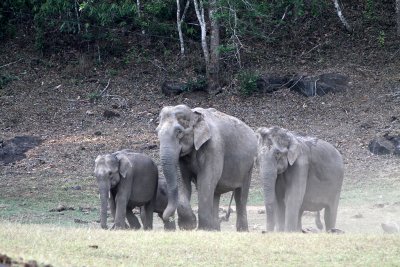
pixel 216 152
pixel 299 173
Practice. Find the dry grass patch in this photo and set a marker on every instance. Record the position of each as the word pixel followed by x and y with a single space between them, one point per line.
pixel 60 246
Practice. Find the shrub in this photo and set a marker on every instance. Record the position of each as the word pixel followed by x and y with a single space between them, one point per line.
pixel 247 82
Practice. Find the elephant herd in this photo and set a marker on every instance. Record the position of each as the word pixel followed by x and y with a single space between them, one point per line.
pixel 217 152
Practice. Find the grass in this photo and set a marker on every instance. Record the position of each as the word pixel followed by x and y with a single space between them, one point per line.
pixel 60 246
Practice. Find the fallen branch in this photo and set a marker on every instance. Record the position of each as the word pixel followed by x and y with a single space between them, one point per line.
pixel 5 65
pixel 105 88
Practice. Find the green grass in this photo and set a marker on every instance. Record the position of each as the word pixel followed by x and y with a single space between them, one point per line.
pixel 62 246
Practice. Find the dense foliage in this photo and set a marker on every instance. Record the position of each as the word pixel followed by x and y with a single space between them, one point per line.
pixel 77 22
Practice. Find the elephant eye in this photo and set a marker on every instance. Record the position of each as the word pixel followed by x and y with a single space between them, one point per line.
pixel 109 173
pixel 179 133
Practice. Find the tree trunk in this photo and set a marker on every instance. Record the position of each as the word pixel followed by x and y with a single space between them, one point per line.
pixel 341 17
pixel 213 64
pixel 199 8
pixel 398 16
pixel 179 21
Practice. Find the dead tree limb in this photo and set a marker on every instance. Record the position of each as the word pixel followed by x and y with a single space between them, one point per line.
pixel 341 16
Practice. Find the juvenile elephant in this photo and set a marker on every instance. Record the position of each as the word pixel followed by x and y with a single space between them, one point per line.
pixel 298 173
pixel 127 180
pixel 216 152
pixel 160 204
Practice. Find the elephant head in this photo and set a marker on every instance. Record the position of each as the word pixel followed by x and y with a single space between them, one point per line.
pixel 180 131
pixel 277 150
pixel 109 169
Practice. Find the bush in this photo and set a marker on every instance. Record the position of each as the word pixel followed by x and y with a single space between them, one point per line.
pixel 247 82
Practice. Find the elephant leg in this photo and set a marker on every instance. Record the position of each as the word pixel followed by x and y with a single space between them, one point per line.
pixel 241 196
pixel 206 190
pixel 186 217
pixel 299 224
pixel 146 214
pixel 168 225
pixel 132 220
pixel 318 222
pixel 241 212
pixel 120 211
pixel 330 215
pixel 216 212
pixel 280 205
pixel 111 202
pixel 294 195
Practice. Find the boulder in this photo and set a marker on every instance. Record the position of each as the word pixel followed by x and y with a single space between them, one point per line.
pixel 385 145
pixel 305 85
pixel 319 85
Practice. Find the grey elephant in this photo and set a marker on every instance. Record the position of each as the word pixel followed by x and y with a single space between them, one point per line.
pixel 213 150
pixel 299 174
pixel 127 180
pixel 162 202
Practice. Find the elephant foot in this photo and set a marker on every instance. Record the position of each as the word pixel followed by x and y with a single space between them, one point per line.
pixel 186 224
pixel 119 227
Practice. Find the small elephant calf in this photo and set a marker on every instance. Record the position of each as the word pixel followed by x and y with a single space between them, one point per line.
pixel 127 180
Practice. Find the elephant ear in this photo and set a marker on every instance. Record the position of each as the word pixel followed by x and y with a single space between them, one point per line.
pixel 124 164
pixel 201 130
pixel 293 151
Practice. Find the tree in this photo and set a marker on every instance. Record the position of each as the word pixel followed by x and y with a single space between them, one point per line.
pixel 398 16
pixel 179 21
pixel 210 51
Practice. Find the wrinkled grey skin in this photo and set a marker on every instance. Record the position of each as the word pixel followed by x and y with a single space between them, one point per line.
pixel 162 202
pixel 130 179
pixel 216 152
pixel 160 205
pixel 298 173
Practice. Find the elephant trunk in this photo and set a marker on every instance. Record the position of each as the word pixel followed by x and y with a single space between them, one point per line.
pixel 169 160
pixel 104 193
pixel 268 173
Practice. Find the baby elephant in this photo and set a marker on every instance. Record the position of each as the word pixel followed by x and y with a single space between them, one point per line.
pixel 127 180
pixel 299 174
pixel 160 204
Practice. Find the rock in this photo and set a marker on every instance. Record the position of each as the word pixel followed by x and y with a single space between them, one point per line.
pixel 358 216
pixel 319 85
pixel 381 146
pixel 76 187
pixel 90 113
pixel 148 147
pixel 80 221
pixel 385 145
pixel 269 83
pixel 261 211
pixel 390 227
pixel 173 88
pixel 4 259
pixel 170 88
pixel 61 208
pixel 97 133
pixel 110 114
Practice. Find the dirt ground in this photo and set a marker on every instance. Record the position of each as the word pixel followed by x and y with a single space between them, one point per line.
pixel 58 102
